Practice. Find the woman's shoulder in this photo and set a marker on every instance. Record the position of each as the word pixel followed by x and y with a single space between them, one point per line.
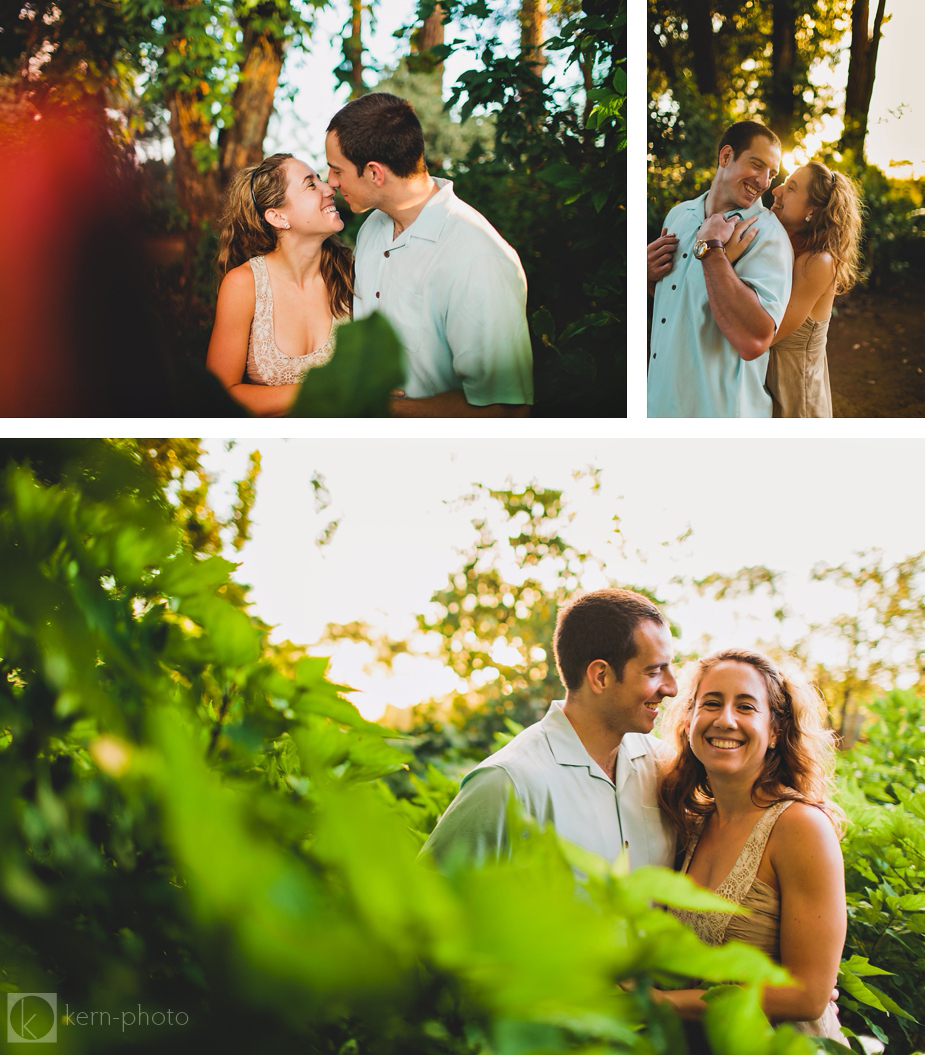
pixel 802 824
pixel 816 266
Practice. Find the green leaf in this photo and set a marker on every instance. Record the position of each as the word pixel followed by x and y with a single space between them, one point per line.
pixel 734 1022
pixel 365 368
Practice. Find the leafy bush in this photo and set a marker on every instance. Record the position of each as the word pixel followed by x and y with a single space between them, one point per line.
pixel 883 778
pixel 194 822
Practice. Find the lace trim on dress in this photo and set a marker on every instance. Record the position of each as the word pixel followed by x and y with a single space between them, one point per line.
pixel 710 927
pixel 266 364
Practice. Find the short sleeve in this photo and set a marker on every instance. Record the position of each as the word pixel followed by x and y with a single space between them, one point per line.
pixel 767 268
pixel 474 828
pixel 487 332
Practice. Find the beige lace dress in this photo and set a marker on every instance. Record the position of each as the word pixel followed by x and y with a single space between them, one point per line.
pixel 798 373
pixel 266 364
pixel 761 928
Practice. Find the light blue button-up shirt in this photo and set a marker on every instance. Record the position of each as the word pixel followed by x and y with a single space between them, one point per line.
pixel 694 372
pixel 456 294
pixel 556 781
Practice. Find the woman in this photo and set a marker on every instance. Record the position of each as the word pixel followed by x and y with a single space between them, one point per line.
pixel 748 794
pixel 820 211
pixel 287 283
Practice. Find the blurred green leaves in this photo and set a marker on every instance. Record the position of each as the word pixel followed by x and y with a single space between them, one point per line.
pixel 356 382
pixel 193 819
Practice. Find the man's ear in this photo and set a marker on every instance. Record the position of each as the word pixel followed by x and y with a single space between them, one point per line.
pixel 377 172
pixel 596 675
pixel 724 155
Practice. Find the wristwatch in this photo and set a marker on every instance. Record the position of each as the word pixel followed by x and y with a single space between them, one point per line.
pixel 702 248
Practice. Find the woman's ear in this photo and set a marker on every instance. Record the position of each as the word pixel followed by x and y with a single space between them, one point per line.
pixel 276 219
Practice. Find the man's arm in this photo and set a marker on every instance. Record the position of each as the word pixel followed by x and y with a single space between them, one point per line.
pixel 474 828
pixel 485 326
pixel 451 405
pixel 736 308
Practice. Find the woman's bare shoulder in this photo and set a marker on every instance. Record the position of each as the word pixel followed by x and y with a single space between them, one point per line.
pixel 815 267
pixel 802 823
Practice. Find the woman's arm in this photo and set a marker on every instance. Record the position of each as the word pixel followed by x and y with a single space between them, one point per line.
pixel 813 274
pixel 807 860
pixel 227 355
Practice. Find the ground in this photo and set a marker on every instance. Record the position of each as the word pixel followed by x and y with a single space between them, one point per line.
pixel 876 350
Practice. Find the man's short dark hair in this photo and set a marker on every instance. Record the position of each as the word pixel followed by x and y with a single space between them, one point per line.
pixel 599 625
pixel 380 127
pixel 740 135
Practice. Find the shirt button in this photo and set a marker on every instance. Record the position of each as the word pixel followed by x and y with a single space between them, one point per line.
pixel 674 287
pixel 663 320
pixel 626 845
pixel 377 292
pixel 655 355
pixel 684 255
pixel 386 253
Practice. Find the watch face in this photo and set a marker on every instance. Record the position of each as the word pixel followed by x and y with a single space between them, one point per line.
pixel 699 249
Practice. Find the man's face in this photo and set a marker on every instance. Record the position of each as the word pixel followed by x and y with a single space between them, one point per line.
pixel 359 192
pixel 744 179
pixel 647 680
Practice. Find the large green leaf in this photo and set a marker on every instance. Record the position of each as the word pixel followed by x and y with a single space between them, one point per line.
pixel 366 366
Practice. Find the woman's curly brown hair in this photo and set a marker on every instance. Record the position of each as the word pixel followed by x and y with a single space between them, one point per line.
pixel 799 767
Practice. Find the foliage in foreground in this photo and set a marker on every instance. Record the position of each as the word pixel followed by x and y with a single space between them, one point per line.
pixel 883 779
pixel 196 823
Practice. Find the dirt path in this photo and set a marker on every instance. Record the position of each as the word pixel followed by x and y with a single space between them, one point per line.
pixel 876 350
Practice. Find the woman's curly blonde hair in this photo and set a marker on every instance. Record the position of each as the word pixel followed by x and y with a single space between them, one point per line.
pixel 244 232
pixel 834 227
pixel 799 767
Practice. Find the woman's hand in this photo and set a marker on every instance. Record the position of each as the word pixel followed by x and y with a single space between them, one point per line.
pixel 742 236
pixel 660 258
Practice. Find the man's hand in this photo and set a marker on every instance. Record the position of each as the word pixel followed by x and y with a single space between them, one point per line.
pixel 660 258
pixel 716 226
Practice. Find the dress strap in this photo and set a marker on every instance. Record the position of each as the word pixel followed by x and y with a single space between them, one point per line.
pixel 742 874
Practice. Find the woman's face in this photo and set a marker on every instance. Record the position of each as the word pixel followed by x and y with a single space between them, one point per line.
pixel 309 205
pixel 730 726
pixel 791 201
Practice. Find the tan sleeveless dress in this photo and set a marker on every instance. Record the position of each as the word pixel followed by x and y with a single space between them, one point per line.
pixel 762 927
pixel 266 364
pixel 798 373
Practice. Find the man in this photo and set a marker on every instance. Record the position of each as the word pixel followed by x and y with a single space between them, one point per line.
pixel 441 274
pixel 712 324
pixel 589 766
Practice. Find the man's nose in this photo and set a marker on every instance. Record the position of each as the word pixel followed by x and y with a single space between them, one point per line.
pixel 669 684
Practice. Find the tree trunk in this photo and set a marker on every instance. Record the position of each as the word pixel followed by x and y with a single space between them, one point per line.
pixel 862 67
pixel 700 34
pixel 197 191
pixel 429 35
pixel 781 99
pixel 241 143
pixel 532 30
pixel 353 50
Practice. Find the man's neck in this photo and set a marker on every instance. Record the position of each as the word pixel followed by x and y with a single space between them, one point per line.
pixel 715 202
pixel 406 200
pixel 601 742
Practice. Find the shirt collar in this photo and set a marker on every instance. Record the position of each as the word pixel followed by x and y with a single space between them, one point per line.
pixel 698 206
pixel 430 220
pixel 568 750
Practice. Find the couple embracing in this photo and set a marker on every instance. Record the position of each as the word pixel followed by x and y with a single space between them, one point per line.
pixel 742 294
pixel 738 787
pixel 451 287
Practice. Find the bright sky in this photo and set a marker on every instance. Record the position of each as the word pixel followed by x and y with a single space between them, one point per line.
pixel 896 132
pixel 787 504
